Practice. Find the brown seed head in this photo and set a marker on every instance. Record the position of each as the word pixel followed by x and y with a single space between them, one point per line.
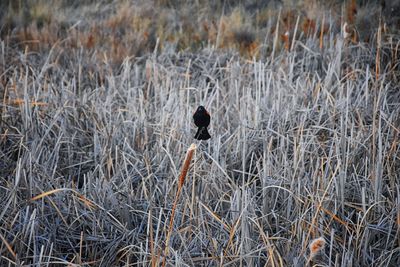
pixel 317 245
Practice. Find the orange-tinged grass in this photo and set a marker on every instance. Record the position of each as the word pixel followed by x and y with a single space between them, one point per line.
pixel 336 218
pixel 8 246
pixel 21 101
pixel 85 201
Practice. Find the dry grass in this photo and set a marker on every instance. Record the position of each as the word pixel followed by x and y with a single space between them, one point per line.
pixel 120 29
pixel 305 146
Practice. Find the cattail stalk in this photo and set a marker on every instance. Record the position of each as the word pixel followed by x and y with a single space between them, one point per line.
pixel 378 52
pixel 181 181
pixel 321 34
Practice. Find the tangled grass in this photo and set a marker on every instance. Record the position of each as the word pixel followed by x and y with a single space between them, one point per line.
pixel 305 146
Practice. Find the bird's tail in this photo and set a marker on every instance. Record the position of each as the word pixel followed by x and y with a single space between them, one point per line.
pixel 202 134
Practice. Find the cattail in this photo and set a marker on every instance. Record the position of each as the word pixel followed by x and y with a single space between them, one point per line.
pixel 316 246
pixel 346 32
pixel 149 70
pixel 378 52
pixel 181 181
pixel 186 164
pixel 349 33
pixel 309 26
pixel 90 42
pixel 285 39
pixel 321 34
pixel 351 11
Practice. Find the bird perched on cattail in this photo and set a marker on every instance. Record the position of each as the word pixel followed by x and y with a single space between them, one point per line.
pixel 202 119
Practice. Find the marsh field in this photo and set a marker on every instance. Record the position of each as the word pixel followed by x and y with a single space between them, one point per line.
pixel 97 99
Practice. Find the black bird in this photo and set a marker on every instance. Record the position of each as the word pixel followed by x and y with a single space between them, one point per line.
pixel 202 119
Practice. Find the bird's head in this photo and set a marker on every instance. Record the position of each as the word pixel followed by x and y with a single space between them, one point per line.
pixel 202 110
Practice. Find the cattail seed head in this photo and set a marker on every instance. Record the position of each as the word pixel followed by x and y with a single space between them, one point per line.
pixel 346 32
pixel 316 246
